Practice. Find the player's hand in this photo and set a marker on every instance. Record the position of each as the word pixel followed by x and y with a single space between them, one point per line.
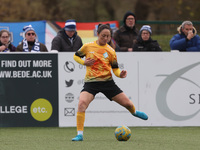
pixel 89 61
pixel 123 74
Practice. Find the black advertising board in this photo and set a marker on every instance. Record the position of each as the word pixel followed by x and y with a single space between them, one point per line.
pixel 28 89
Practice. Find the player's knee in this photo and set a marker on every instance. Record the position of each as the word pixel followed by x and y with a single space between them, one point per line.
pixel 82 105
pixel 129 105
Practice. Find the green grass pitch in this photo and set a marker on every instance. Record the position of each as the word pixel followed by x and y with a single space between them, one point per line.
pixel 99 138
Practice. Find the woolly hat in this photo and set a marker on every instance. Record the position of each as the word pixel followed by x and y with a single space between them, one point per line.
pixel 28 28
pixel 70 25
pixel 147 28
pixel 128 14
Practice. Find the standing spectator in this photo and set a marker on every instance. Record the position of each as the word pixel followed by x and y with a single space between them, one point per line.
pixel 144 42
pixel 186 39
pixel 127 34
pixel 5 44
pixel 30 42
pixel 67 39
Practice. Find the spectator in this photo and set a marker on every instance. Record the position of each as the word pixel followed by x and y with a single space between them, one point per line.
pixel 126 34
pixel 67 39
pixel 186 39
pixel 5 44
pixel 144 42
pixel 30 42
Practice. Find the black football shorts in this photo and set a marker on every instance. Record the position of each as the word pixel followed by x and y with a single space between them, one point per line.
pixel 108 88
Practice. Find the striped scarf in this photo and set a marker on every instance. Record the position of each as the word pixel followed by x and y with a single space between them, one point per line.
pixel 35 48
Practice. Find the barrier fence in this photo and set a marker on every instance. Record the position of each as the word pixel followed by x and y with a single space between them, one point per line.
pixel 43 90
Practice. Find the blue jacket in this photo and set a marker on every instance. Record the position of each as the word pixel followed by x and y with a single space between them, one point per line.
pixel 179 42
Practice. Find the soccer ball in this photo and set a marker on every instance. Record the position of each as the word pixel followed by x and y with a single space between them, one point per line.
pixel 122 133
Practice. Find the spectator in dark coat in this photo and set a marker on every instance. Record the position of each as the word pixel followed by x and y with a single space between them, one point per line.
pixel 187 38
pixel 144 41
pixel 126 34
pixel 67 39
pixel 5 44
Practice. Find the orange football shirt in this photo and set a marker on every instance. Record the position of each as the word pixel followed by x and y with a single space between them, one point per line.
pixel 105 59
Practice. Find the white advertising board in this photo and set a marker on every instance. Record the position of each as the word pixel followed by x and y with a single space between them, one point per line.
pixel 165 85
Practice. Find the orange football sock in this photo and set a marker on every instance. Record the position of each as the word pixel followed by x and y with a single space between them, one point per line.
pixel 132 110
pixel 80 119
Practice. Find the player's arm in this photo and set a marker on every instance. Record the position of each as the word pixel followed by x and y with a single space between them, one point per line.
pixel 119 73
pixel 116 71
pixel 87 61
pixel 78 59
pixel 115 68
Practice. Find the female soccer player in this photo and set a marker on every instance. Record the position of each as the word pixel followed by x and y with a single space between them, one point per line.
pixel 99 59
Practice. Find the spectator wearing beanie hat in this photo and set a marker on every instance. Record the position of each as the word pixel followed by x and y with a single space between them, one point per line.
pixel 70 25
pixel 126 34
pixel 30 42
pixel 147 28
pixel 67 39
pixel 144 42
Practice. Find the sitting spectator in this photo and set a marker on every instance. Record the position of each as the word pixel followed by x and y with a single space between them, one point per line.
pixel 67 39
pixel 5 44
pixel 126 34
pixel 30 42
pixel 186 39
pixel 144 42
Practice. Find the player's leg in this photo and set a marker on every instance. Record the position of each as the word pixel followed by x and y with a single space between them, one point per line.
pixel 123 100
pixel 84 100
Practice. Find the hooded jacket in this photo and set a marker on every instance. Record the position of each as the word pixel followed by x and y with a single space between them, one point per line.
pixel 125 36
pixel 180 42
pixel 62 43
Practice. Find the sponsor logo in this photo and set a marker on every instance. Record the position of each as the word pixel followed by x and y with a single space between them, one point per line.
pixel 41 109
pixel 13 109
pixel 163 89
pixel 105 55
